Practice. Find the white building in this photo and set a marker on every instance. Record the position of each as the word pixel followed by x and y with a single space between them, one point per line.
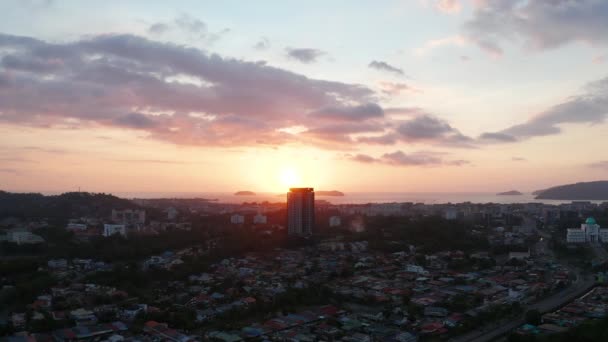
pixel 237 219
pixel 21 237
pixel 335 221
pixel 260 219
pixel 589 231
pixel 415 269
pixel 76 226
pixel 172 213
pixel 450 213
pixel 57 263
pixel 112 229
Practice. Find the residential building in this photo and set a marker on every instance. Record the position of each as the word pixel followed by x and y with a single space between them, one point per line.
pixel 129 216
pixel 300 211
pixel 112 229
pixel 335 221
pixel 237 219
pixel 22 236
pixel 259 219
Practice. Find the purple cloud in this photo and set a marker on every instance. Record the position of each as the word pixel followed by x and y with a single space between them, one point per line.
pixel 399 158
pixel 304 55
pixel 383 66
pixel 590 107
pixel 173 93
pixel 538 24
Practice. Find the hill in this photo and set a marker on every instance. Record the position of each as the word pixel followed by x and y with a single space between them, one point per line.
pixel 60 207
pixel 597 190
pixel 329 193
pixel 510 193
pixel 244 193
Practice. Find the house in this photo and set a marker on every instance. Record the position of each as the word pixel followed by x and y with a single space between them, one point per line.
pixel 113 229
pixel 22 237
pixel 435 311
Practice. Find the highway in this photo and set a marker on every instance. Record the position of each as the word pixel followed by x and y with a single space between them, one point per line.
pixel 491 332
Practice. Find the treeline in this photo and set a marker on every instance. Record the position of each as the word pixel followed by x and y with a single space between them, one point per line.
pixel 59 208
pixel 432 234
pixel 589 331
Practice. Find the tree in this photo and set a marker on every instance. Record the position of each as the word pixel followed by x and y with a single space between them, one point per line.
pixel 533 317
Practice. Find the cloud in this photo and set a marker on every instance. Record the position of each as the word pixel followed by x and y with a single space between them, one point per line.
pixel 599 165
pixel 349 113
pixel 11 171
pixel 465 58
pixel 363 158
pixel 432 129
pixel 187 96
pixel 590 107
pixel 538 24
pixel 194 28
pixel 519 159
pixel 497 137
pixel 17 160
pixel 383 66
pixel 43 149
pixel 448 6
pixel 191 24
pixel 433 44
pixel 396 88
pixel 158 28
pixel 262 44
pixel 170 92
pixel 150 161
pixel 304 55
pixel 600 59
pixel 399 158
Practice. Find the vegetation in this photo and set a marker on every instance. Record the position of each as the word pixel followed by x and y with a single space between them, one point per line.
pixel 590 331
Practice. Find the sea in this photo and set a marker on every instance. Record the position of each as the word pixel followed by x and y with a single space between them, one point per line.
pixel 356 197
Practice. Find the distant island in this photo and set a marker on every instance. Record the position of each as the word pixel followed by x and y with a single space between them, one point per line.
pixel 597 190
pixel 510 193
pixel 244 193
pixel 329 193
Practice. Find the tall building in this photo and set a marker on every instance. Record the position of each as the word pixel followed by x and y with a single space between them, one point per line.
pixel 300 211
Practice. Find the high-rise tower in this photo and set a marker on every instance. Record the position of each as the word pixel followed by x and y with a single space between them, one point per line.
pixel 300 211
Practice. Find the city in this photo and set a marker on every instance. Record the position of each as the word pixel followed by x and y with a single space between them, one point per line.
pixel 302 270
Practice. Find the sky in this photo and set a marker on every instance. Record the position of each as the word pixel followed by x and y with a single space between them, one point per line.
pixel 359 96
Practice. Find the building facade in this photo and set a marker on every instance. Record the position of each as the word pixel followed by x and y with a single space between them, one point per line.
pixel 129 216
pixel 113 229
pixel 237 219
pixel 589 231
pixel 300 211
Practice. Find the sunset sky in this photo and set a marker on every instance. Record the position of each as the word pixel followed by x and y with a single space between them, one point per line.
pixel 383 96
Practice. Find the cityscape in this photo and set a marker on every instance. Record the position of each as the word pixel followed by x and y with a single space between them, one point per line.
pixel 320 171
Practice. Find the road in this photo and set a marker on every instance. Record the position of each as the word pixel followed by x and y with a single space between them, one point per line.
pixel 579 287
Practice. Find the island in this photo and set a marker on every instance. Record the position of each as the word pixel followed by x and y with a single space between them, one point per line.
pixel 329 193
pixel 244 193
pixel 597 190
pixel 510 193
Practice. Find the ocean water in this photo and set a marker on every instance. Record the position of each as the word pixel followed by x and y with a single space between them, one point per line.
pixel 355 197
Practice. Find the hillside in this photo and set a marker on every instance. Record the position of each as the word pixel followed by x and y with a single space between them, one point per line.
pixel 61 207
pixel 579 191
pixel 510 193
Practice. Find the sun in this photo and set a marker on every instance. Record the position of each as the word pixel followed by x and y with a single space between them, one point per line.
pixel 289 177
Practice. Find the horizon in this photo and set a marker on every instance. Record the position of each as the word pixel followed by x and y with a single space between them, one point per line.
pixel 426 96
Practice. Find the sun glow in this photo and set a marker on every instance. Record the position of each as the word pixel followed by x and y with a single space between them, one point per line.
pixel 289 177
